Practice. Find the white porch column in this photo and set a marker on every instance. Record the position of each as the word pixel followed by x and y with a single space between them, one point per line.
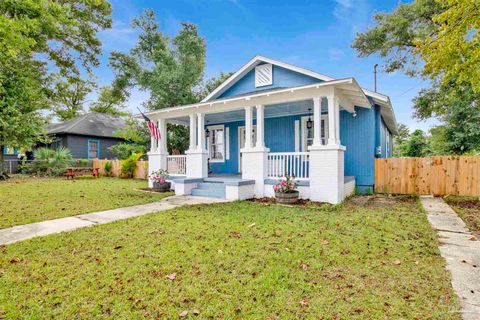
pixel 333 120
pixel 197 156
pixel 327 161
pixel 162 143
pixel 317 121
pixel 248 127
pixel 255 160
pixel 201 131
pixel 337 119
pixel 260 127
pixel 157 157
pixel 193 132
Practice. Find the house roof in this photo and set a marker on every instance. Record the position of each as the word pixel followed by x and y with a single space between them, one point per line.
pixel 90 124
pixel 346 87
pixel 382 100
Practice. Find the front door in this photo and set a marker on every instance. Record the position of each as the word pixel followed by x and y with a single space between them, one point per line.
pixel 241 143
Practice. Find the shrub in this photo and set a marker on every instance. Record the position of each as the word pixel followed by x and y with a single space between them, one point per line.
pixel 108 169
pixel 3 172
pixel 81 163
pixel 129 165
pixel 50 162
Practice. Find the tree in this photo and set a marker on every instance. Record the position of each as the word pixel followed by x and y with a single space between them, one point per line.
pixel 453 51
pixel 438 142
pixel 400 140
pixel 212 84
pixel 137 139
pixel 416 146
pixel 110 100
pixel 170 69
pixel 22 98
pixel 395 35
pixel 458 107
pixel 32 34
pixel 69 96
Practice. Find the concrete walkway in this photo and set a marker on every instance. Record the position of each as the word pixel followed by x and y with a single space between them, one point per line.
pixel 461 251
pixel 38 229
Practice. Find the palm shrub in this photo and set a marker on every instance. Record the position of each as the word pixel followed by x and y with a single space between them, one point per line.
pixel 108 169
pixel 129 165
pixel 50 162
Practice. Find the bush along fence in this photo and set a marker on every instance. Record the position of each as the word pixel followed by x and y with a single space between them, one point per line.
pixel 141 170
pixel 439 176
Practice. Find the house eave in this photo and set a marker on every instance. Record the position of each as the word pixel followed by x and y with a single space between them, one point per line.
pixel 269 97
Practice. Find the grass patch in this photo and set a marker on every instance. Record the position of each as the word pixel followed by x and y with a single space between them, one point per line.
pixel 467 208
pixel 26 200
pixel 240 260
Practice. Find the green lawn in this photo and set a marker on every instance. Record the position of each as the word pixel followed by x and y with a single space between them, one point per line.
pixel 238 260
pixel 25 200
pixel 468 208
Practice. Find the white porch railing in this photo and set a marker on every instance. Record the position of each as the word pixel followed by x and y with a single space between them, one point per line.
pixel 295 164
pixel 177 164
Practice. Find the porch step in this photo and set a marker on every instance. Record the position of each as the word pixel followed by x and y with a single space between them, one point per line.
pixel 211 186
pixel 210 190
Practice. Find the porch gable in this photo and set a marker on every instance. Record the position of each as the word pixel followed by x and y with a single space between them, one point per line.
pixel 281 78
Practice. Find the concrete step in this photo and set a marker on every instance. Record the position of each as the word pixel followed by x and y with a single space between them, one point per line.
pixel 211 186
pixel 210 193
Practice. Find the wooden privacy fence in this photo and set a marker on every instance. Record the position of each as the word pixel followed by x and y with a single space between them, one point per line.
pixel 448 175
pixel 141 172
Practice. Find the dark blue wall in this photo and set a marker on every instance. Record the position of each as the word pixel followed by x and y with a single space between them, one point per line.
pixel 78 145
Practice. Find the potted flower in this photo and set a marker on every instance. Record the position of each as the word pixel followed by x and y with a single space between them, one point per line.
pixel 285 191
pixel 159 179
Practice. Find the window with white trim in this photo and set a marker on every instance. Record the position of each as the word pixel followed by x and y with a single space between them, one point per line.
pixel 93 149
pixel 307 134
pixel 216 143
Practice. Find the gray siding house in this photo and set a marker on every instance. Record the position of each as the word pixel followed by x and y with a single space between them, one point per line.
pixel 88 137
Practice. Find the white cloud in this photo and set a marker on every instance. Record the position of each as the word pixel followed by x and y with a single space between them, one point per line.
pixel 354 13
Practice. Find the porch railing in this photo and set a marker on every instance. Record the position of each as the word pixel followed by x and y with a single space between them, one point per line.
pixel 294 164
pixel 177 164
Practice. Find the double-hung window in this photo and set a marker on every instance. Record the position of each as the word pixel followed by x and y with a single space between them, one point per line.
pixel 93 149
pixel 307 133
pixel 216 143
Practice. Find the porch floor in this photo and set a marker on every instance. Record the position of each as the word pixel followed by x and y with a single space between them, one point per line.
pixel 223 178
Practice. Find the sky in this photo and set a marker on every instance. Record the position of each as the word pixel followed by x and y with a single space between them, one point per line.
pixel 316 35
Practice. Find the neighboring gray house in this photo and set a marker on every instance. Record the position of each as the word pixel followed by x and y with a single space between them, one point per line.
pixel 89 136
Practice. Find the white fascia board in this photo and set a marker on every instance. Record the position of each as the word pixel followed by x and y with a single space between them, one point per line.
pixel 266 98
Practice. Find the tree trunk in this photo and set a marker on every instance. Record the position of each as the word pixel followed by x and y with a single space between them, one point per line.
pixel 2 157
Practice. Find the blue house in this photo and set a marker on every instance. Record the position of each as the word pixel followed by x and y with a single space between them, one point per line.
pixel 89 136
pixel 272 119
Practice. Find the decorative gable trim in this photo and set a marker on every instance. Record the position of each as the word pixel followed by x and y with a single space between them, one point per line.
pixel 263 75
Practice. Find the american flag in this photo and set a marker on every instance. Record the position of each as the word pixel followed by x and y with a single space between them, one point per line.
pixel 154 132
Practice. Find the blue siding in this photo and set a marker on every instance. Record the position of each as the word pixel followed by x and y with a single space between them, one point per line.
pixel 282 78
pixel 230 166
pixel 382 133
pixel 357 134
pixel 279 137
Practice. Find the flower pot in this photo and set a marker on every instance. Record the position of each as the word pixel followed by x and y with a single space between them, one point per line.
pixel 287 197
pixel 161 186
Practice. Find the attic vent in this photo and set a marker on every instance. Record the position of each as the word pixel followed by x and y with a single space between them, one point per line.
pixel 263 75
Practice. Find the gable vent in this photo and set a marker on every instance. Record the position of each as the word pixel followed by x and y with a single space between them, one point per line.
pixel 263 75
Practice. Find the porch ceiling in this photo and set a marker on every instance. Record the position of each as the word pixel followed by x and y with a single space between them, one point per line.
pixel 283 100
pixel 271 111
